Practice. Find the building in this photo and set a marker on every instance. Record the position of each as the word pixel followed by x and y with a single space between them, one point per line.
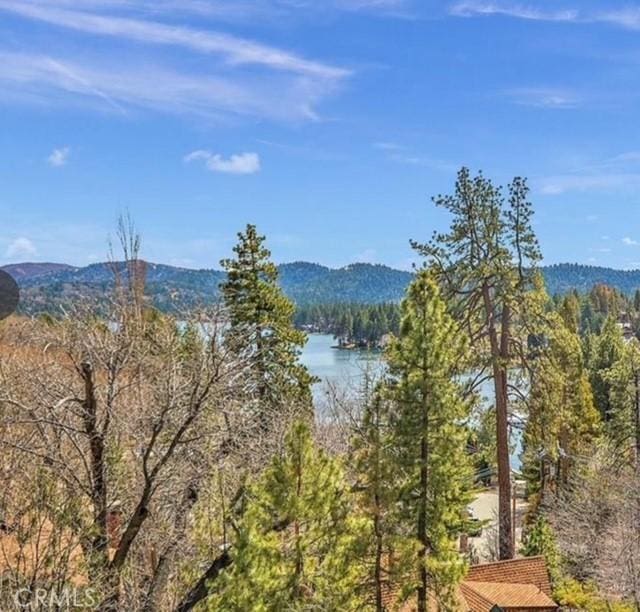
pixel 519 585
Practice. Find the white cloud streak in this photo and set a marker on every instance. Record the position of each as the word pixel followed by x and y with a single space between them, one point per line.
pixel 544 97
pixel 519 11
pixel 21 247
pixel 55 81
pixel 620 172
pixel 627 17
pixel 59 157
pixel 236 51
pixel 242 77
pixel 242 163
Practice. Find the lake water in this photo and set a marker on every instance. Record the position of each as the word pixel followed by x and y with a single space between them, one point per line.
pixel 346 369
pixel 335 365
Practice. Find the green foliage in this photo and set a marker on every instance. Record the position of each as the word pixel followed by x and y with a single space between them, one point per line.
pixel 177 290
pixel 434 471
pixel 359 324
pixel 562 418
pixel 390 552
pixel 539 540
pixel 299 539
pixel 605 352
pixel 623 380
pixel 261 325
pixel 574 595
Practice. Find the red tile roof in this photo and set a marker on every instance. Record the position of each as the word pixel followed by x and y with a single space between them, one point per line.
pixel 530 570
pixel 521 585
pixel 482 596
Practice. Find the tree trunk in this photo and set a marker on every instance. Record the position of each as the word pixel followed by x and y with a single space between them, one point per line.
pixel 422 527
pixel 637 419
pixel 422 513
pixel 378 563
pixel 500 357
pixel 377 520
pixel 99 557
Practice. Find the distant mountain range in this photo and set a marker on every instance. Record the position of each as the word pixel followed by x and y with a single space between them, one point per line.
pixel 46 287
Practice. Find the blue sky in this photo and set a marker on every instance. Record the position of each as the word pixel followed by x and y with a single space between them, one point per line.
pixel 328 123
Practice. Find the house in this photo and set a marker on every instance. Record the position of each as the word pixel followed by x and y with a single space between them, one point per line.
pixel 519 585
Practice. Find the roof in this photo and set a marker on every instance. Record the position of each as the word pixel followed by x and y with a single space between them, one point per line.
pixel 483 596
pixel 529 571
pixel 521 585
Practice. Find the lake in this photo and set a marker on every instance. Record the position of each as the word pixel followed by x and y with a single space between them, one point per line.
pixel 346 368
pixel 335 365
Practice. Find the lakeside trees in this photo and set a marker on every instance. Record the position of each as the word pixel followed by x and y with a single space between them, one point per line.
pixel 176 465
pixel 261 327
pixel 430 437
pixel 361 325
pixel 485 264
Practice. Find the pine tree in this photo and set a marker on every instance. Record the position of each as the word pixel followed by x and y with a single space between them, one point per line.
pixel 299 539
pixel 622 381
pixel 431 436
pixel 486 265
pixel 390 553
pixel 562 418
pixel 606 351
pixel 261 326
pixel 570 311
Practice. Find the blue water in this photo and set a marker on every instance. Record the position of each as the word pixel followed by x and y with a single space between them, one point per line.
pixel 346 370
pixel 335 365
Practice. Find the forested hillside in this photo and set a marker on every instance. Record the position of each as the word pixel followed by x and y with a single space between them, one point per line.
pixel 561 278
pixel 48 287
pixel 174 289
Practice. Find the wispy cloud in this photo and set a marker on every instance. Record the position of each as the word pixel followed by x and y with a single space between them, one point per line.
pixel 402 154
pixel 242 163
pixel 236 51
pixel 624 16
pixel 556 185
pixel 630 241
pixel 242 77
pixel 388 146
pixel 520 11
pixel 59 157
pixel 59 81
pixel 615 173
pixel 543 97
pixel 368 255
pixel 21 247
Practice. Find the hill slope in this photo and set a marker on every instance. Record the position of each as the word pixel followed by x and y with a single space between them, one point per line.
pixel 48 287
pixel 28 270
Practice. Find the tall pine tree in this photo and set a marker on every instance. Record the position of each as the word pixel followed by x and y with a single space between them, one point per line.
pixel 390 552
pixel 486 265
pixel 298 541
pixel 261 327
pixel 431 436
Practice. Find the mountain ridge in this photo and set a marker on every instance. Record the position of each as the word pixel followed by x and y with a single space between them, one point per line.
pixel 47 287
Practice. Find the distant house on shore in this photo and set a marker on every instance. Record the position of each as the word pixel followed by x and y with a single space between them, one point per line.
pixel 520 585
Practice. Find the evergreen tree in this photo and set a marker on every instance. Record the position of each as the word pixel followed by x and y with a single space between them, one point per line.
pixel 486 265
pixel 391 553
pixel 562 417
pixel 623 384
pixel 261 326
pixel 298 540
pixel 570 311
pixel 431 436
pixel 606 350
